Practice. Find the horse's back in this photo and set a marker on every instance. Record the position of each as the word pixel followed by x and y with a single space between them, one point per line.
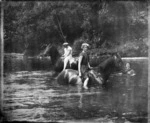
pixel 60 63
pixel 69 76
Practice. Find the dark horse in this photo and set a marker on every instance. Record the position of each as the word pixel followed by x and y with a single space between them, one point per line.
pixel 111 65
pixel 98 75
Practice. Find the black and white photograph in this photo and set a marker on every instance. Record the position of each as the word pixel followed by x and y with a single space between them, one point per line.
pixel 74 61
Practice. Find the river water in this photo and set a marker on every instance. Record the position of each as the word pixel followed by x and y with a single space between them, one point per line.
pixel 32 94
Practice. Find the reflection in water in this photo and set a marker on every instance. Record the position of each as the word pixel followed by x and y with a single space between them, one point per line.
pixel 32 94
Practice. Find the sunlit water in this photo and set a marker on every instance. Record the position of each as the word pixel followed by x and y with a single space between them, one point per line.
pixel 32 94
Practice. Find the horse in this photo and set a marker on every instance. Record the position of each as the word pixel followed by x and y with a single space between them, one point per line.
pixel 70 76
pixel 97 75
pixel 58 61
pixel 109 66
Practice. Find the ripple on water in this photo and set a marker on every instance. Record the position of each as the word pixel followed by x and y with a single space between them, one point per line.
pixel 33 114
pixel 35 96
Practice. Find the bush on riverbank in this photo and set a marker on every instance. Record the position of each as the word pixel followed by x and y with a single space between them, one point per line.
pixel 128 49
pixel 38 24
pixel 132 49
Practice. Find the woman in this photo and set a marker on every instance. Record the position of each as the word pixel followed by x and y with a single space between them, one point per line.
pixel 67 54
pixel 83 65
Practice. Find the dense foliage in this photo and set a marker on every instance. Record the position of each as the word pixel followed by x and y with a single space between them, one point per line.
pixel 119 25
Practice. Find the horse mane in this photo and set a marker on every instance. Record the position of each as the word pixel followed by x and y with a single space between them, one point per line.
pixel 106 63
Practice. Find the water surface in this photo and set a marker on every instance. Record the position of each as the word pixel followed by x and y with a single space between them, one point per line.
pixel 32 94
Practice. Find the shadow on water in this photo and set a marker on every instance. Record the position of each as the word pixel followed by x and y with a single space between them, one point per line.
pixel 32 94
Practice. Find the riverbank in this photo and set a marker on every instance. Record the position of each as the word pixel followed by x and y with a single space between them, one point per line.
pixel 21 55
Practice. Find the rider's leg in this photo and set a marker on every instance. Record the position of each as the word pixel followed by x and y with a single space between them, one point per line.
pixel 86 83
pixel 65 62
pixel 71 60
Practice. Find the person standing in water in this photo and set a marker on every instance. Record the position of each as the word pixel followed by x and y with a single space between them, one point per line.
pixel 83 64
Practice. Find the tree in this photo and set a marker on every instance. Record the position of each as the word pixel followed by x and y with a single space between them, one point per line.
pixel 30 25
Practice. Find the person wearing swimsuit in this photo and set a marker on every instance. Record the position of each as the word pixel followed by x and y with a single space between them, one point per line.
pixel 83 65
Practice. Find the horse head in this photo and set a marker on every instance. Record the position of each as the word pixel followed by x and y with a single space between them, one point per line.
pixel 54 53
pixel 111 65
pixel 119 65
pixel 51 50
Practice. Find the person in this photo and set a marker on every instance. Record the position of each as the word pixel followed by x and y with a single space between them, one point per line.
pixel 67 54
pixel 83 64
pixel 129 70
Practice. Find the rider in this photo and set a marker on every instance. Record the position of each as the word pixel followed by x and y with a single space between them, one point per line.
pixel 83 65
pixel 67 54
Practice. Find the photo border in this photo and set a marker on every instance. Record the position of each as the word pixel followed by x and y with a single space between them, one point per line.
pixel 2 49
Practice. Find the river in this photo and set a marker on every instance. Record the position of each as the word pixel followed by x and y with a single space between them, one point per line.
pixel 32 94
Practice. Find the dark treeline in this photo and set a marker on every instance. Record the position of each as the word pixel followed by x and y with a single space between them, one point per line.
pixel 105 25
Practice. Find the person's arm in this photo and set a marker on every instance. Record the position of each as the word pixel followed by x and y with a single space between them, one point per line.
pixel 79 65
pixel 89 66
pixel 65 55
pixel 70 51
